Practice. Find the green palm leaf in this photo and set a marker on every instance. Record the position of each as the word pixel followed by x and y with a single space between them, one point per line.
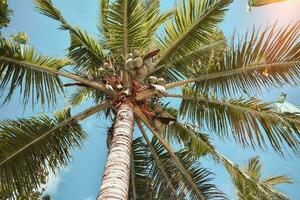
pixel 140 181
pixel 29 145
pixel 193 60
pixel 252 122
pixel 32 83
pixel 53 152
pixel 125 27
pixel 194 22
pixel 85 51
pixel 157 184
pixel 254 170
pixel 200 144
pixel 262 60
pixel 275 180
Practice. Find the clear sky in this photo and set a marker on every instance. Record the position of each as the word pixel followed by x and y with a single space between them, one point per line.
pixel 81 179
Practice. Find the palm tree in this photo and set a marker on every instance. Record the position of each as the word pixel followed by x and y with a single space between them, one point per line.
pixel 128 71
pixel 5 14
pixel 254 170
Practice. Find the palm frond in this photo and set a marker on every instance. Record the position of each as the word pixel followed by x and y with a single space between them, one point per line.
pixel 36 84
pixel 252 122
pixel 194 60
pixel 194 21
pixel 152 20
pixel 157 185
pixel 199 143
pixel 31 144
pixel 81 94
pixel 185 174
pixel 142 182
pixel 186 135
pixel 22 169
pixel 275 180
pixel 124 23
pixel 163 183
pixel 254 169
pixel 201 176
pixel 85 51
pixel 264 59
pixel 103 18
pixel 46 8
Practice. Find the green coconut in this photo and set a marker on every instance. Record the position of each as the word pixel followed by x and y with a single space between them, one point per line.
pixel 129 63
pixel 136 53
pixel 152 80
pixel 130 55
pixel 161 81
pixel 138 62
pixel 150 66
pixel 143 70
pixel 132 72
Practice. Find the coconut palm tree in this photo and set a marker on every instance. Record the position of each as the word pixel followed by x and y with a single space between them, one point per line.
pixel 130 71
pixel 254 170
pixel 5 14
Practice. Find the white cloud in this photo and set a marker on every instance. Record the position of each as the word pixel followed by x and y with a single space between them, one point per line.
pixel 54 180
pixel 89 198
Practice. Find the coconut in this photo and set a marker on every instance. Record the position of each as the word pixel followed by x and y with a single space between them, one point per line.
pixel 142 71
pixel 132 72
pixel 130 63
pixel 150 66
pixel 138 62
pixel 161 81
pixel 139 77
pixel 136 53
pixel 130 55
pixel 152 80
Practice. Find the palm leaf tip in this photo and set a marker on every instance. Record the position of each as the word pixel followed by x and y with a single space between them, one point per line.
pixel 22 156
pixel 46 8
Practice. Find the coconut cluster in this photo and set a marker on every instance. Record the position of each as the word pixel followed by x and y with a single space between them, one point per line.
pixel 154 80
pixel 137 67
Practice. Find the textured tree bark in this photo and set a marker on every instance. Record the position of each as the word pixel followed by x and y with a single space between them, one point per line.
pixel 115 182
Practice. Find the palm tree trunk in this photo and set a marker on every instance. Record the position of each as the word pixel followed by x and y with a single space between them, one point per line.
pixel 116 175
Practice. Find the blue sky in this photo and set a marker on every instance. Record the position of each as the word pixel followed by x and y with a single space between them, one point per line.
pixel 81 179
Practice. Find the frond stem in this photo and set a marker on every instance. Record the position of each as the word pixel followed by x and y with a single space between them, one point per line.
pixel 156 158
pixel 170 151
pixel 237 107
pixel 231 72
pixel 252 67
pixel 48 70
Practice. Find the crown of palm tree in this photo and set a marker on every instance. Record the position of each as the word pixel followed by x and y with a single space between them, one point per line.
pixel 124 71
